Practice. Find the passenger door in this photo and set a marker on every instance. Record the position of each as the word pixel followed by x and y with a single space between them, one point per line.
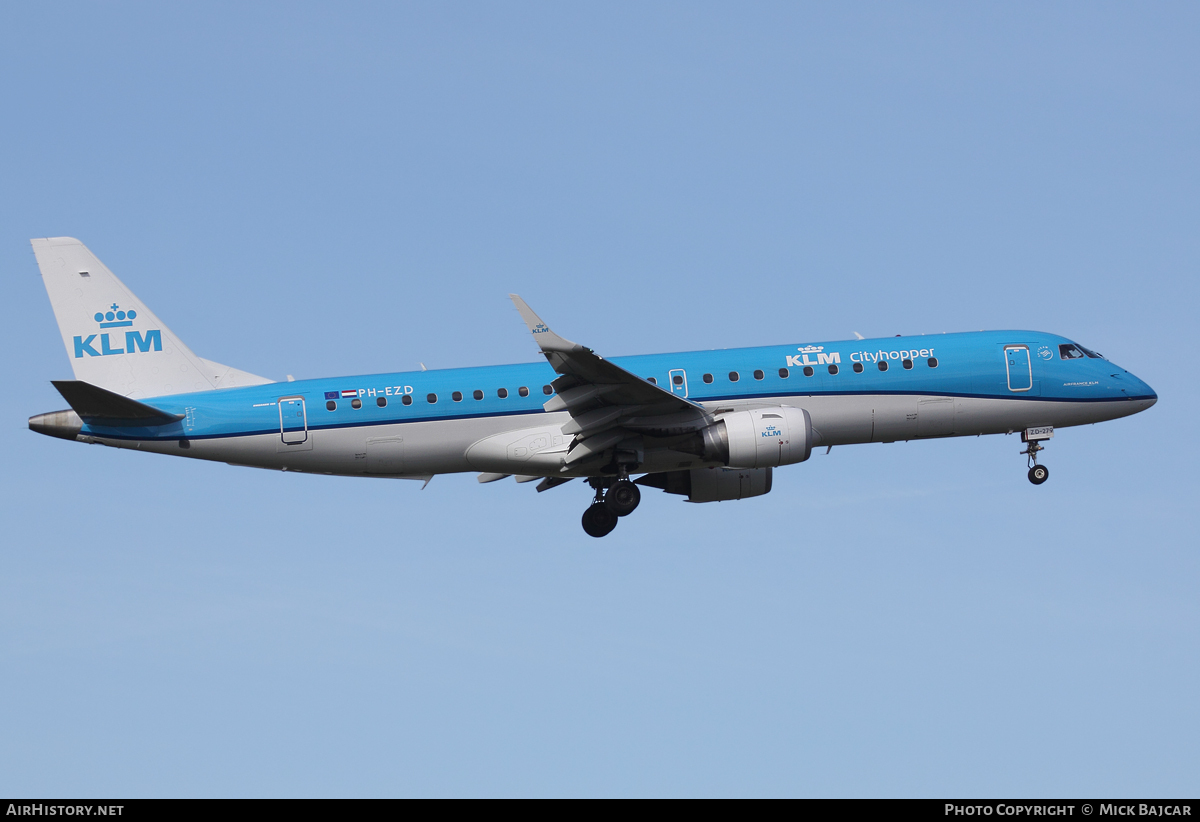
pixel 1020 373
pixel 293 421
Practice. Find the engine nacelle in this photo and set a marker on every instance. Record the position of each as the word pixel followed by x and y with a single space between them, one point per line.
pixel 718 484
pixel 759 438
pixel 712 484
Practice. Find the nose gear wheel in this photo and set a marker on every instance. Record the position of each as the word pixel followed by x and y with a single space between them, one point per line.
pixel 1037 473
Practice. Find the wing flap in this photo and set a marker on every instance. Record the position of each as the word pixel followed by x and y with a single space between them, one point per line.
pixel 591 422
pixel 577 397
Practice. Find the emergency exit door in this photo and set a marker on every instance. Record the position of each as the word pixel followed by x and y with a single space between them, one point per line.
pixel 678 382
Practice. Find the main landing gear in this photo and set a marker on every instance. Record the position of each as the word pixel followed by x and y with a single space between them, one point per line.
pixel 1033 438
pixel 612 500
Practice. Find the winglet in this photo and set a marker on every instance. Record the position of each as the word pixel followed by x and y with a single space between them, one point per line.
pixel 546 339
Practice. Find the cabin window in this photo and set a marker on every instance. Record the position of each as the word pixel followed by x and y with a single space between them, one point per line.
pixel 933 362
pixel 734 376
pixel 783 373
pixel 502 393
pixel 758 375
pixel 882 365
pixel 808 370
pixel 677 379
pixel 381 402
pixel 406 399
pixel 547 389
pixel 432 398
pixel 708 378
pixel 456 396
pixel 858 368
pixel 833 369
pixel 356 403
pixel 523 391
pixel 907 365
pixel 651 380
pixel 330 406
pixel 477 394
pixel 1070 352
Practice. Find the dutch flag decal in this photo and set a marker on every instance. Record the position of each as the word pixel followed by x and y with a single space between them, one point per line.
pixel 348 394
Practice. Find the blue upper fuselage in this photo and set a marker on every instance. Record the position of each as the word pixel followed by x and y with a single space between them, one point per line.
pixel 990 364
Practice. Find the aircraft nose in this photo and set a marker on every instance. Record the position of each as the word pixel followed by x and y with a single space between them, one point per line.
pixel 1142 391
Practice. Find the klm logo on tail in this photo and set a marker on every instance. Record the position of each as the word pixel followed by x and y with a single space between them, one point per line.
pixel 135 341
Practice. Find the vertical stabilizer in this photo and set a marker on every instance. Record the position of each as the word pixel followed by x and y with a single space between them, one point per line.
pixel 112 339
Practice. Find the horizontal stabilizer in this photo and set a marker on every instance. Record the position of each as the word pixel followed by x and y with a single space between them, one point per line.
pixel 93 403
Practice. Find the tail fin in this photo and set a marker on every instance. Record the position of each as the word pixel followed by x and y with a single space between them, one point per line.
pixel 113 340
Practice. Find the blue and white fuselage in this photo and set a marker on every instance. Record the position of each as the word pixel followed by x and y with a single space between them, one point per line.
pixel 966 393
pixel 671 417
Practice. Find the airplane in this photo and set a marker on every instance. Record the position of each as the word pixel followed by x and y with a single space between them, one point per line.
pixel 705 425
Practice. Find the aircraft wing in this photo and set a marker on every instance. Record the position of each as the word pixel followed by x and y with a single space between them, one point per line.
pixel 607 404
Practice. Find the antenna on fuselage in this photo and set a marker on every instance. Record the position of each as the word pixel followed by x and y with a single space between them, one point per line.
pixel 423 368
pixel 859 336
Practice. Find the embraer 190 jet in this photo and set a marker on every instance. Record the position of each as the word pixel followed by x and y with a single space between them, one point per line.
pixel 707 425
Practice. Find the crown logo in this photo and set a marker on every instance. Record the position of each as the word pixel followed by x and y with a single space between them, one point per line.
pixel 114 317
pixel 811 349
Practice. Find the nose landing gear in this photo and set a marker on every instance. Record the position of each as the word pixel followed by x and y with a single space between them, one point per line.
pixel 1033 438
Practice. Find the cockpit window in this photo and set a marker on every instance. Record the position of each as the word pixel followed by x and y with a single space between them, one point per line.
pixel 1071 351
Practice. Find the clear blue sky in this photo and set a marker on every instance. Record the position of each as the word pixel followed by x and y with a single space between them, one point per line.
pixel 315 190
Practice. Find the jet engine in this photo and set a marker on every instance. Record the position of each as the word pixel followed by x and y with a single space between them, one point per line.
pixel 758 438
